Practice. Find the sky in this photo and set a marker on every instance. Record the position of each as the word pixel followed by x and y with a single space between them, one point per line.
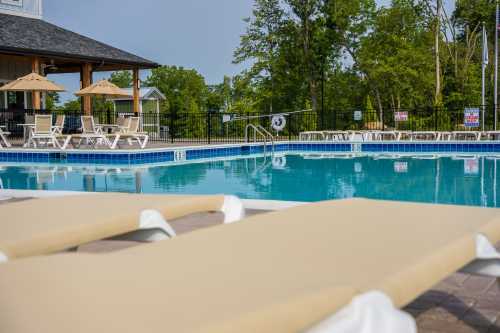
pixel 199 34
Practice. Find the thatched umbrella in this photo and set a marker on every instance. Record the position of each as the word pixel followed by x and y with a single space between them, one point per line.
pixel 103 88
pixel 32 82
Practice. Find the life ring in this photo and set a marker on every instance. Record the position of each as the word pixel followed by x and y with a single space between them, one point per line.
pixel 278 123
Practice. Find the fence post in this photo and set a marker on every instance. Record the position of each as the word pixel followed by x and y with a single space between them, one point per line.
pixel 108 116
pixel 290 128
pixel 247 123
pixel 436 110
pixel 171 130
pixel 382 116
pixel 334 119
pixel 209 126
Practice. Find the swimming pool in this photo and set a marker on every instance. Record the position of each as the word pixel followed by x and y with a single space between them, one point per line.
pixel 460 179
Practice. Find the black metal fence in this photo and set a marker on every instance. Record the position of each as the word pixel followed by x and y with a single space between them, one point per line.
pixel 216 127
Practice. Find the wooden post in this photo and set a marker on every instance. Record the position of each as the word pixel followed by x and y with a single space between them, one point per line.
pixel 35 68
pixel 136 91
pixel 86 79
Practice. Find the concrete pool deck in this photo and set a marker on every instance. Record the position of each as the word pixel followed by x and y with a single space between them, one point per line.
pixel 459 304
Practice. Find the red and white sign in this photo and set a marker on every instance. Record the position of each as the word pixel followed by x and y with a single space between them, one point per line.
pixel 401 116
pixel 471 117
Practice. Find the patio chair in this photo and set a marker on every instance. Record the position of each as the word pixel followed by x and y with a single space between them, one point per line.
pixel 59 125
pixel 425 136
pixel 341 266
pixel 38 227
pixel 43 132
pixel 29 118
pixel 466 135
pixel 3 137
pixel 121 121
pixel 90 134
pixel 358 135
pixel 490 135
pixel 312 136
pixel 131 133
pixel 335 135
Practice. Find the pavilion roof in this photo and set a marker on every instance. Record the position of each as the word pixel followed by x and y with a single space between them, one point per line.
pixel 34 37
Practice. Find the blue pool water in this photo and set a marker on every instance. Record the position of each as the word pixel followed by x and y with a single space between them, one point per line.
pixel 466 180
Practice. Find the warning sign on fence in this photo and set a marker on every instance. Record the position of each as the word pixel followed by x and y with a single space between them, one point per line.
pixel 358 115
pixel 471 117
pixel 401 116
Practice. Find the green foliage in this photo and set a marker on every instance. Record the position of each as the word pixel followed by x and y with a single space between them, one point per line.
pixel 337 56
pixel 186 93
pixel 70 106
pixel 122 79
pixel 52 100
pixel 344 51
pixel 370 114
pixel 101 104
pixel 185 89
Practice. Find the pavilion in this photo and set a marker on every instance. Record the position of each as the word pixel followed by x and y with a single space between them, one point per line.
pixel 30 44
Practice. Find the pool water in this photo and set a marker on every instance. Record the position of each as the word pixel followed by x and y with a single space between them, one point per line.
pixel 466 180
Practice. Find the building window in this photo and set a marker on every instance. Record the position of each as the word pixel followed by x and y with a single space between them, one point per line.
pixel 18 3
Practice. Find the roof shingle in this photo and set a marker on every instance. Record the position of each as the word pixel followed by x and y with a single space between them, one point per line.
pixel 19 33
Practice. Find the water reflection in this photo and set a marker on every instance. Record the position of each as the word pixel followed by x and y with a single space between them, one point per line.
pixel 468 180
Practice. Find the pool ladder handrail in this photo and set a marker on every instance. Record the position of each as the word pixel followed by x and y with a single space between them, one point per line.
pixel 258 129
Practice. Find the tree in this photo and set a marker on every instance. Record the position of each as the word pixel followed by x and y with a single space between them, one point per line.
pixel 52 100
pixel 186 94
pixel 308 16
pixel 122 79
pixel 370 115
pixel 220 96
pixel 71 106
pixel 261 43
pixel 347 54
pixel 402 69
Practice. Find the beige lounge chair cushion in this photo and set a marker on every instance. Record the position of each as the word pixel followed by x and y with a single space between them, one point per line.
pixel 278 272
pixel 45 226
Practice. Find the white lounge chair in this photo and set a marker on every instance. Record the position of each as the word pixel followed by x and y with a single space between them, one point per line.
pixel 403 135
pixel 467 135
pixel 425 136
pixel 45 226
pixel 59 125
pixel 131 133
pixel 341 266
pixel 312 136
pixel 3 137
pixel 90 134
pixel 381 136
pixel 43 132
pixel 358 135
pixel 336 135
pixel 446 136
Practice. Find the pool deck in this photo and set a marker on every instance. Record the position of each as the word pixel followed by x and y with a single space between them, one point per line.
pixel 18 145
pixel 459 304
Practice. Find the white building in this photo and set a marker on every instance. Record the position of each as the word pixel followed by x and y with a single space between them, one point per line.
pixel 27 8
